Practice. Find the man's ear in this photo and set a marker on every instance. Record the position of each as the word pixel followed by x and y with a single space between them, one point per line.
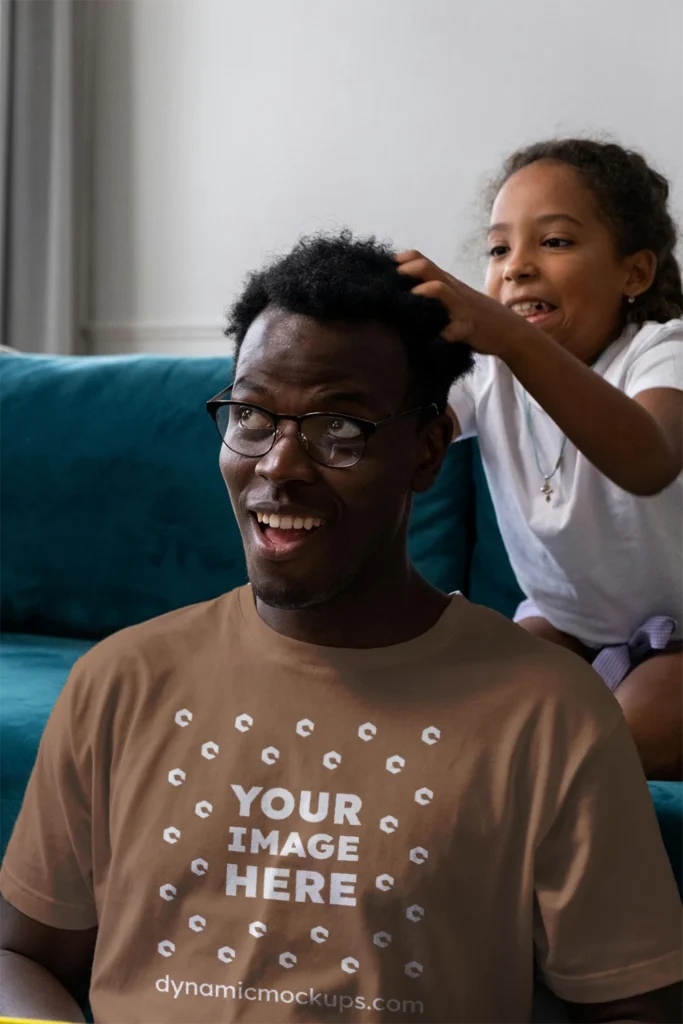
pixel 435 437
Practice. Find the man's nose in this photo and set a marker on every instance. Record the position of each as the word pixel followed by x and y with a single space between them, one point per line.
pixel 287 460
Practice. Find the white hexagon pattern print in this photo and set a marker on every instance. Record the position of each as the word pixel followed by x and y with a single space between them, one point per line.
pixel 344 810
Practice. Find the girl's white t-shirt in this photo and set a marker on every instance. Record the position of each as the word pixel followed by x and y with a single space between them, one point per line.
pixel 596 560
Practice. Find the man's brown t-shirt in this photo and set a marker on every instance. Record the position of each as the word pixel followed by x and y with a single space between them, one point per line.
pixel 266 830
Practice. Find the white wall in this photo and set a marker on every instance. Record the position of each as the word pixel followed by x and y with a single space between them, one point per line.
pixel 225 128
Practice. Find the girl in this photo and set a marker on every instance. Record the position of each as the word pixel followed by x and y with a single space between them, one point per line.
pixel 577 401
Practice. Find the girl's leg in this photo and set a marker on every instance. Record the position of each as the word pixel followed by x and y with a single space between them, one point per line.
pixel 541 627
pixel 651 697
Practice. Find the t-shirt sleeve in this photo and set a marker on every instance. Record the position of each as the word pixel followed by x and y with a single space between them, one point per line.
pixel 47 870
pixel 463 398
pixel 607 915
pixel 660 364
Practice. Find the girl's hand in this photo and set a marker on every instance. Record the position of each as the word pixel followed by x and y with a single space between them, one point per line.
pixel 482 322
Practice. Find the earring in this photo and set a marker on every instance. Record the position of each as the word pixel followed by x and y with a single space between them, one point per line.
pixel 631 299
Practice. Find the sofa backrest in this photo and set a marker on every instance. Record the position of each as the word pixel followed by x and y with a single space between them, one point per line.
pixel 112 508
pixel 491 581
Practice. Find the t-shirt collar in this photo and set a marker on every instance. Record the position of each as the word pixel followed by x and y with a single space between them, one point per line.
pixel 272 644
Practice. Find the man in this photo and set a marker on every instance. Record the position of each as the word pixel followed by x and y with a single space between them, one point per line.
pixel 337 794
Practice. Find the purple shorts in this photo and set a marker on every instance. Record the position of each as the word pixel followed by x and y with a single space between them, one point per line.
pixel 615 662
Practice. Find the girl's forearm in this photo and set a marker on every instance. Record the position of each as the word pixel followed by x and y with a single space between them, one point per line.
pixel 616 434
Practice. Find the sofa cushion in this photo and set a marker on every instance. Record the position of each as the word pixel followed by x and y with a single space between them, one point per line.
pixel 441 534
pixel 668 801
pixel 491 579
pixel 33 670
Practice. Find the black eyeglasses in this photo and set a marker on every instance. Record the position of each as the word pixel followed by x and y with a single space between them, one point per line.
pixel 329 439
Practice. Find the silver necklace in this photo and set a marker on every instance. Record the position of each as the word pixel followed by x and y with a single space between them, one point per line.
pixel 546 489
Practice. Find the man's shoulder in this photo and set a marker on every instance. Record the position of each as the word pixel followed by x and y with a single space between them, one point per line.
pixel 160 645
pixel 543 677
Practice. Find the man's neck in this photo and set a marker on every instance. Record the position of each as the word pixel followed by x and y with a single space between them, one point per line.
pixel 379 614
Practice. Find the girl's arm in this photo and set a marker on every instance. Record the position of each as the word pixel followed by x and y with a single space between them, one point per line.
pixel 636 442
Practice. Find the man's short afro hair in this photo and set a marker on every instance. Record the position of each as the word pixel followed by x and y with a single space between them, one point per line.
pixel 340 278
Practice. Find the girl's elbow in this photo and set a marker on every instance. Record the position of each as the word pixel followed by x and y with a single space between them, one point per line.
pixel 653 483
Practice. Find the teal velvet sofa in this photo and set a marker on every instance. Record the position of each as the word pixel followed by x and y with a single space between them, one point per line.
pixel 112 510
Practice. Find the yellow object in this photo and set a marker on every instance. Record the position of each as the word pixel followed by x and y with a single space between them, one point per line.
pixel 27 1020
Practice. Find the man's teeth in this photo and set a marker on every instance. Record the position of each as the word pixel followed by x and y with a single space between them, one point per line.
pixel 528 308
pixel 288 522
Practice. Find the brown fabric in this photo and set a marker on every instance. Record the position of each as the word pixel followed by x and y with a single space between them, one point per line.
pixel 265 830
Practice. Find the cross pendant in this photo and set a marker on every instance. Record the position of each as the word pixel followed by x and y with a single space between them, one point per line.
pixel 547 490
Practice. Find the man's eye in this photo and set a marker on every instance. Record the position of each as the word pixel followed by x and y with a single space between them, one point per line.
pixel 343 430
pixel 497 250
pixel 252 419
pixel 558 243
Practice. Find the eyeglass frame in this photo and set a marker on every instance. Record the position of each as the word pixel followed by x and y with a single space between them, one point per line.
pixel 367 427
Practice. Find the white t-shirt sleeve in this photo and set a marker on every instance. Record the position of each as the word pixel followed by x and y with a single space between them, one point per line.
pixel 607 918
pixel 660 363
pixel 463 398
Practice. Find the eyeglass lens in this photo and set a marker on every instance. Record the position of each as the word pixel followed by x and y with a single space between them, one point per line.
pixel 329 440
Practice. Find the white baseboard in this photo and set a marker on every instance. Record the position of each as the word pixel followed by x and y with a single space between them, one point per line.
pixel 192 339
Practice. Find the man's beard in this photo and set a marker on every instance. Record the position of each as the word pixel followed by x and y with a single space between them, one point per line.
pixel 293 596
